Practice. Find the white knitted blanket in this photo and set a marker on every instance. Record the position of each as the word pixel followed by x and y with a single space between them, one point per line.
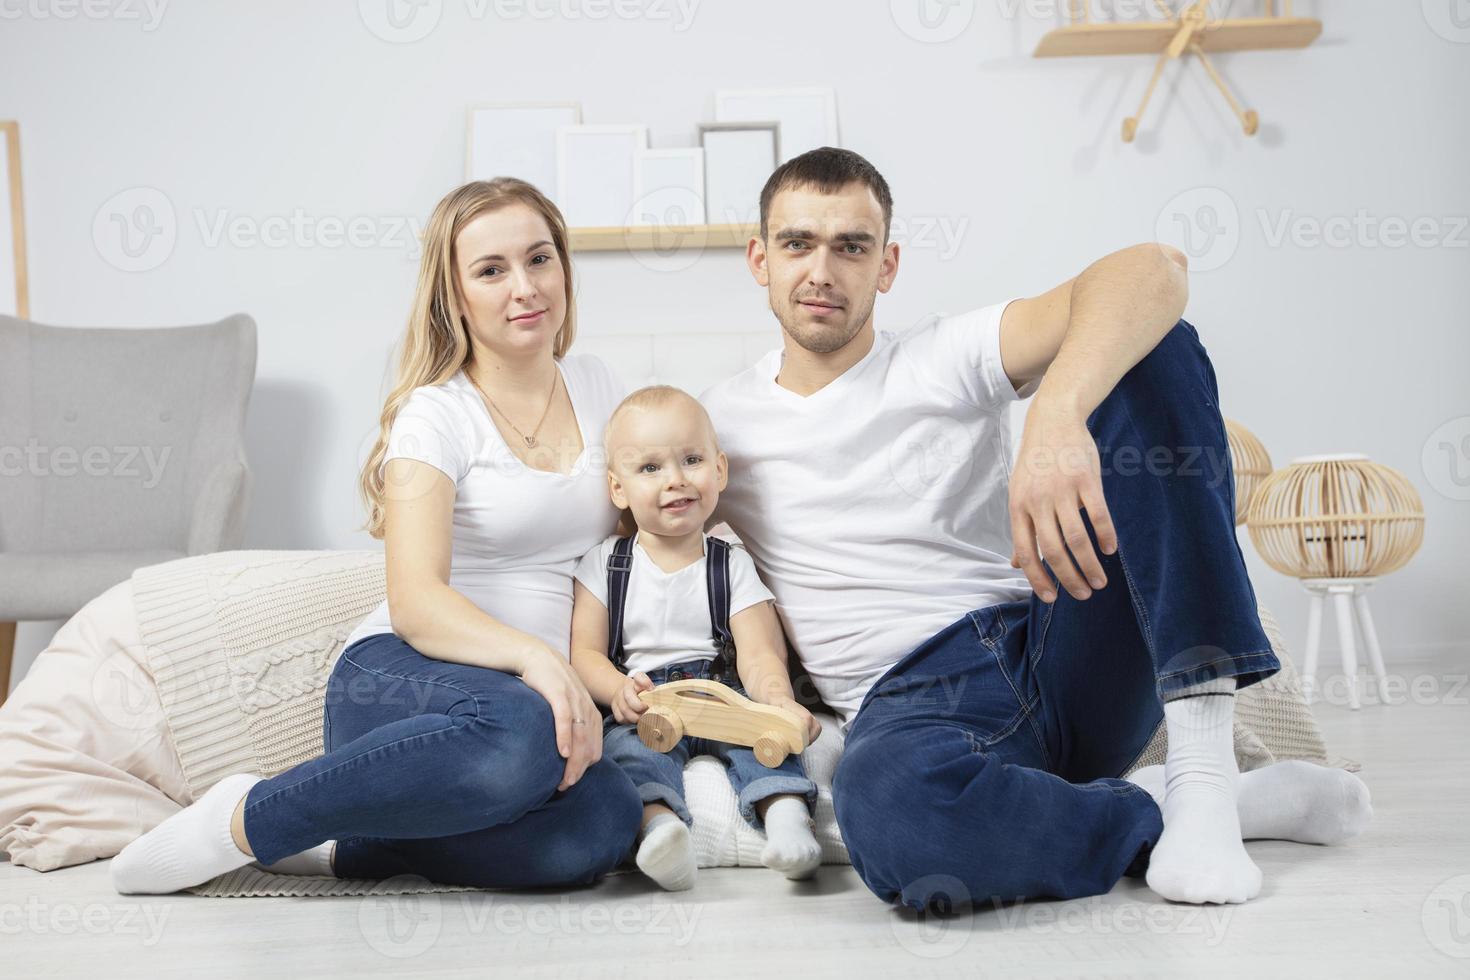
pixel 241 644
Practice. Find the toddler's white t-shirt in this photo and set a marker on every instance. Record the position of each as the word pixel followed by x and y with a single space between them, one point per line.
pixel 666 616
pixel 877 508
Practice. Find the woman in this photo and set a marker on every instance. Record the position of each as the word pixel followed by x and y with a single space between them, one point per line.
pixel 460 745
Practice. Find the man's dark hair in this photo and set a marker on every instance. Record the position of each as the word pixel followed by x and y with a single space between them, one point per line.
pixel 828 170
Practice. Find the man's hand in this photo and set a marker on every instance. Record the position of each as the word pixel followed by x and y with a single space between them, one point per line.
pixel 628 706
pixel 1057 475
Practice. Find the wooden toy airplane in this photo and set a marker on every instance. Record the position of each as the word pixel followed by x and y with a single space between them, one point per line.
pixel 709 709
pixel 1193 30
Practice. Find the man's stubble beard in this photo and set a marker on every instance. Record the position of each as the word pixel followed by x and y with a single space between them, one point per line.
pixel 812 337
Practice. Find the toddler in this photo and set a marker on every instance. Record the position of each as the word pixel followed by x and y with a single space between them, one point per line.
pixel 669 603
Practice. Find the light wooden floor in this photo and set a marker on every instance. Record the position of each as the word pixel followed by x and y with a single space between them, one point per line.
pixel 1394 903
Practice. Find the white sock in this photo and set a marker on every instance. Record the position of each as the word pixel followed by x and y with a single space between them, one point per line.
pixel 666 853
pixel 312 861
pixel 1200 857
pixel 791 847
pixel 189 848
pixel 1293 800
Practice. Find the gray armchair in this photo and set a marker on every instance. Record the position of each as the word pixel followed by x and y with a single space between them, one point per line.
pixel 119 448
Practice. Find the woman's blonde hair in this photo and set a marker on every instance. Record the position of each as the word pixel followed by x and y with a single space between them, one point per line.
pixel 437 343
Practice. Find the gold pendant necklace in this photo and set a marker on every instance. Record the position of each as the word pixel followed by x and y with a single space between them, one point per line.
pixel 530 440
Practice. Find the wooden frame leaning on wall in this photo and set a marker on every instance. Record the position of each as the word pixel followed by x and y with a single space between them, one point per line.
pixel 15 233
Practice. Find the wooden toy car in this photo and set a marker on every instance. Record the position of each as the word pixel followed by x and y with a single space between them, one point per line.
pixel 708 709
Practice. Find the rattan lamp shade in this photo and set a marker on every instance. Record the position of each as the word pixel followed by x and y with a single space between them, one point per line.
pixel 1251 463
pixel 1337 516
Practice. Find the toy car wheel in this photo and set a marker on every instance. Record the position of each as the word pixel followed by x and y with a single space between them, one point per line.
pixel 660 729
pixel 770 750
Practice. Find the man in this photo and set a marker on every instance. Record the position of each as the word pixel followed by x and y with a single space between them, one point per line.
pixel 989 712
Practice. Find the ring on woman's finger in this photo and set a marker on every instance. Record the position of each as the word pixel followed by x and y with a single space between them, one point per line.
pixel 579 721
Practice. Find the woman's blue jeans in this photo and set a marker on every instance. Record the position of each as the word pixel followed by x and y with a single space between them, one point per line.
pixel 445 771
pixel 983 766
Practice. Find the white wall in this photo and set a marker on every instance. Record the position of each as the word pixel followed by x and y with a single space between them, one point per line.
pixel 280 108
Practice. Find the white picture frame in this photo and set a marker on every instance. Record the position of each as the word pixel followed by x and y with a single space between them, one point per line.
pixel 14 300
pixel 517 140
pixel 668 187
pixel 807 116
pixel 738 159
pixel 594 173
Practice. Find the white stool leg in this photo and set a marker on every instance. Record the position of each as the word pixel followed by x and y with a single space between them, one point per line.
pixel 1314 642
pixel 1375 652
pixel 1342 602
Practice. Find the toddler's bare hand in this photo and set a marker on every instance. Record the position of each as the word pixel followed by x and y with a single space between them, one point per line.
pixel 813 727
pixel 628 706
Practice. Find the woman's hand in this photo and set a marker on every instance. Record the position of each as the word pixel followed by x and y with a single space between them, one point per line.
pixel 1057 475
pixel 578 723
pixel 813 727
pixel 627 706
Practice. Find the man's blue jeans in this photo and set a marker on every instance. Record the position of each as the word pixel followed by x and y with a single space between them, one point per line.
pixel 983 766
pixel 659 776
pixel 445 771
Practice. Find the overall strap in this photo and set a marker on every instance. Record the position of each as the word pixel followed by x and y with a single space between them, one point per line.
pixel 619 564
pixel 717 566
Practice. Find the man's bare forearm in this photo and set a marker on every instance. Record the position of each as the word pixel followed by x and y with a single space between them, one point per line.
pixel 1121 307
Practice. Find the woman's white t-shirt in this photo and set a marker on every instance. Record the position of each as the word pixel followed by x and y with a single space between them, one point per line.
pixel 518 532
pixel 666 615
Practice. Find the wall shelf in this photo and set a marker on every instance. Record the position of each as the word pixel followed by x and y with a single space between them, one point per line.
pixel 662 238
pixel 1236 34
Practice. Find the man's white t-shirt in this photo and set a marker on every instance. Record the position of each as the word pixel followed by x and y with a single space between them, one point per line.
pixel 518 532
pixel 877 508
pixel 666 615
